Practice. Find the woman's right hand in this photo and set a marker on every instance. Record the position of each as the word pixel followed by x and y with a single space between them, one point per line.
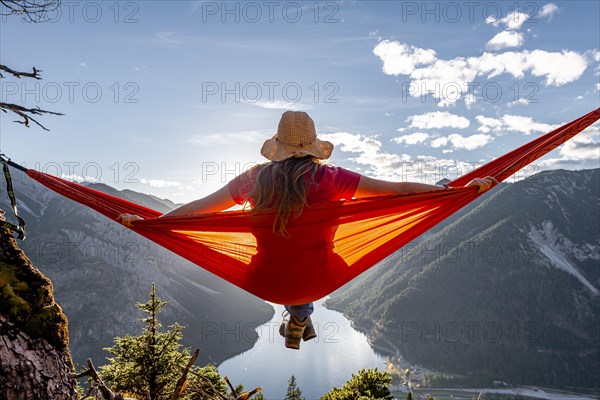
pixel 127 219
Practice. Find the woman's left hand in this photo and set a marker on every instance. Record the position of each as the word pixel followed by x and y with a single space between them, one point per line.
pixel 127 219
pixel 483 184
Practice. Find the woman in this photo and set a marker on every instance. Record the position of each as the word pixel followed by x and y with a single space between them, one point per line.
pixel 295 178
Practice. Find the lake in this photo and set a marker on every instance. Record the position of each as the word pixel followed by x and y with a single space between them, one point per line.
pixel 322 363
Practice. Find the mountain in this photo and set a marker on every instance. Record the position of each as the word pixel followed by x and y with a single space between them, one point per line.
pixel 100 269
pixel 508 290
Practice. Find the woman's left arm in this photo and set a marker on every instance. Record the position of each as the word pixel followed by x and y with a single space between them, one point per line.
pixel 217 201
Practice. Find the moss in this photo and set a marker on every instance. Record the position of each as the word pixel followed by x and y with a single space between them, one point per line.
pixel 50 323
pixel 7 275
pixel 18 309
pixel 20 287
pixel 26 299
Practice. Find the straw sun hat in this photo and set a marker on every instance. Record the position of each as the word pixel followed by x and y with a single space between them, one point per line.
pixel 296 137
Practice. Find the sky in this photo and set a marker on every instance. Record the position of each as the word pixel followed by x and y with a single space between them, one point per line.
pixel 175 98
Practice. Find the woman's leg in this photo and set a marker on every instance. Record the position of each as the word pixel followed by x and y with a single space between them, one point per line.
pixel 301 311
pixel 299 325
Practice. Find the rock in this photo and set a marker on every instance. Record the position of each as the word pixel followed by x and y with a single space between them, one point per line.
pixel 34 358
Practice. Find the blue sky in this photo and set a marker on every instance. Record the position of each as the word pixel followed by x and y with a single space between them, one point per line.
pixel 175 98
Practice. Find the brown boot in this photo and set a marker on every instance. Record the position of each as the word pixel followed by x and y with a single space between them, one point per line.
pixel 309 331
pixel 293 331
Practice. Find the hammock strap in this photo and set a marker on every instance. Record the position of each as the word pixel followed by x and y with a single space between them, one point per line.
pixel 19 229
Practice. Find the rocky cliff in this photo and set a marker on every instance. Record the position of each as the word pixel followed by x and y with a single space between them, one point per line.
pixel 34 357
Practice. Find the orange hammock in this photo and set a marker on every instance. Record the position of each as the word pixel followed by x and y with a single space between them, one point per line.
pixel 331 243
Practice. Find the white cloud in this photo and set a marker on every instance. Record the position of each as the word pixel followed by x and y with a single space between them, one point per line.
pixel 439 142
pixel 463 142
pixel 469 142
pixel 558 68
pixel 469 100
pixel 525 125
pixel 488 124
pixel 79 178
pixel 514 123
pixel 448 80
pixel 586 145
pixel 399 58
pixel 505 39
pixel 548 11
pixel 160 183
pixel 83 64
pixel 402 167
pixel 594 56
pixel 413 138
pixel 579 151
pixel 353 143
pixel 513 20
pixel 380 164
pixel 521 101
pixel 230 137
pixel 597 87
pixel 280 105
pixel 438 119
pixel 492 64
pixel 167 37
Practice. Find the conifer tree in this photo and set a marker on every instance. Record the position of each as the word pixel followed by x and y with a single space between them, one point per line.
pixel 368 384
pixel 147 365
pixel 293 391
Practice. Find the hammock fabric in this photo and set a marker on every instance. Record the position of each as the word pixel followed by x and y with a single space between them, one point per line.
pixel 318 258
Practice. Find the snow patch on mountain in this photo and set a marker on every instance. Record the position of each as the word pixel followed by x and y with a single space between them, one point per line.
pixel 554 246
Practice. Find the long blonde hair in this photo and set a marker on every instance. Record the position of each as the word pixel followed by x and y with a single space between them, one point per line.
pixel 281 185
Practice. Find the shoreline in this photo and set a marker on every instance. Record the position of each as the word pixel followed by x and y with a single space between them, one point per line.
pixel 237 353
pixel 416 370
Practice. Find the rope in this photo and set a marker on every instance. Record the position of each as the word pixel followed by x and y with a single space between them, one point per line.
pixel 19 229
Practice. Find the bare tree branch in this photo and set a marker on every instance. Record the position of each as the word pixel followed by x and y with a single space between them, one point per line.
pixel 31 10
pixel 242 396
pixel 210 385
pixel 35 74
pixel 97 385
pixel 226 379
pixel 246 396
pixel 26 113
pixel 182 382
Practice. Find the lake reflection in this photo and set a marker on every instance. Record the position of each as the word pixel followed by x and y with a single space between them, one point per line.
pixel 319 365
